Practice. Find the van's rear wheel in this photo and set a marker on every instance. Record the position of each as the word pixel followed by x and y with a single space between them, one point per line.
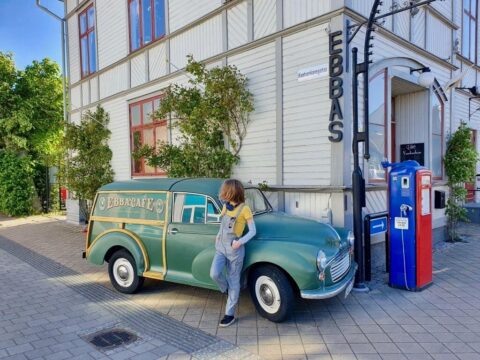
pixel 271 293
pixel 122 270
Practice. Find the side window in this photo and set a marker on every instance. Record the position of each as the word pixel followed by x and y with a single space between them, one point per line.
pixel 189 209
pixel 213 214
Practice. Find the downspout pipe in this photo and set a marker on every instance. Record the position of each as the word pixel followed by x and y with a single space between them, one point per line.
pixel 63 25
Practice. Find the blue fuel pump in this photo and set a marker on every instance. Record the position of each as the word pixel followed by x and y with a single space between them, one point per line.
pixel 409 194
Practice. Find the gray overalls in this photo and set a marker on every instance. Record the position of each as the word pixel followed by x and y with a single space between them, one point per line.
pixel 225 255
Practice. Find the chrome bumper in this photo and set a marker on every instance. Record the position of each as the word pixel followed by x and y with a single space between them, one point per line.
pixel 331 291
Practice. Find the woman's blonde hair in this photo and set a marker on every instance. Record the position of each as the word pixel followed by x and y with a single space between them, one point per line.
pixel 232 190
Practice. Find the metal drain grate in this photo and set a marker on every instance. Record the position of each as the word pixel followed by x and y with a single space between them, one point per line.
pixel 111 338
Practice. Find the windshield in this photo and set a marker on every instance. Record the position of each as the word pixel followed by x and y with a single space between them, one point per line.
pixel 256 201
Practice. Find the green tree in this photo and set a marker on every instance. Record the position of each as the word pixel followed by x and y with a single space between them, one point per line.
pixel 31 115
pixel 17 190
pixel 460 164
pixel 31 112
pixel 88 166
pixel 210 112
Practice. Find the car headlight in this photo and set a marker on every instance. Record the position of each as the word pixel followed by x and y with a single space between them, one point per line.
pixel 351 238
pixel 321 260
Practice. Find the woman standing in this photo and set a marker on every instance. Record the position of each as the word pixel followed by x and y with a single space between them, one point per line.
pixel 229 245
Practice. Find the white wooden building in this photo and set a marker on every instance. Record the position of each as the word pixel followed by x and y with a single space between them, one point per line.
pixel 123 54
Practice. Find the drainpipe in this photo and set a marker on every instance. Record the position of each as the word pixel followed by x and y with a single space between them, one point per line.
pixel 63 25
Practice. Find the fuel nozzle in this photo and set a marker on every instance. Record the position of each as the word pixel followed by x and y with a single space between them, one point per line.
pixel 404 208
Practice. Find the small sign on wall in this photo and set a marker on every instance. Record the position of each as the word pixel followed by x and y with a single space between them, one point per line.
pixel 314 72
pixel 413 152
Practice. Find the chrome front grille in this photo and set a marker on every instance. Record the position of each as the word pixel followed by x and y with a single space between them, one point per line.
pixel 340 266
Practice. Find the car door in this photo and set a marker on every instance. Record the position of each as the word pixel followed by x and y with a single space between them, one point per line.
pixel 191 236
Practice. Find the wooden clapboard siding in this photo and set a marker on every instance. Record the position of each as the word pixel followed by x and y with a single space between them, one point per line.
pixel 306 109
pixel 112 31
pixel 183 12
pixel 237 25
pixel 257 157
pixel 297 11
pixel 264 17
pixel 202 41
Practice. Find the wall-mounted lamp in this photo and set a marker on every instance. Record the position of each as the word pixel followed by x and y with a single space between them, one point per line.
pixel 426 77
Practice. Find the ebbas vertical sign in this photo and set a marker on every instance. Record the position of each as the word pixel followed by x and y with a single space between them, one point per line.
pixel 335 86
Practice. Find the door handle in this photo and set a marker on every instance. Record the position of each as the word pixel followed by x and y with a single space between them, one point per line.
pixel 173 231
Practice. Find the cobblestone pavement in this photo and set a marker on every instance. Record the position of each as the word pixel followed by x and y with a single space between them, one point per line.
pixel 441 322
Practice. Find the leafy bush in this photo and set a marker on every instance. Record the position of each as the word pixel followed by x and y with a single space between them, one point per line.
pixel 88 166
pixel 17 191
pixel 210 112
pixel 460 164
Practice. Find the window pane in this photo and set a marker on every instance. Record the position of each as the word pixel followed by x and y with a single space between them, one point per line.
pixel 473 39
pixel 255 200
pixel 466 5
pixel 187 215
pixel 161 134
pixel 134 25
pixel 437 156
pixel 473 8
pixel 147 112
pixel 83 23
pixel 377 152
pixel 148 139
pixel 91 17
pixel 189 208
pixel 137 142
pixel 436 115
pixel 92 46
pixel 159 18
pixel 213 214
pixel 466 35
pixel 135 115
pixel 156 104
pixel 376 100
pixel 84 50
pixel 147 21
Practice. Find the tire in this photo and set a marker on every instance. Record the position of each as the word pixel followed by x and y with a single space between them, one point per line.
pixel 122 270
pixel 272 293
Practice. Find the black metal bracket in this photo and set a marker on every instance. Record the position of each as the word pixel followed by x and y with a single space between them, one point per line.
pixel 470 106
pixel 393 12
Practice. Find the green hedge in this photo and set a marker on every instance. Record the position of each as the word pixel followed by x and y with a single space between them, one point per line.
pixel 17 191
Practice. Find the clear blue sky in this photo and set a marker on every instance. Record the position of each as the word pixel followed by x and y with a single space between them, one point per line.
pixel 30 33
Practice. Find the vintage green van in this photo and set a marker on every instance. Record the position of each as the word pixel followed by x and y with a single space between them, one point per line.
pixel 165 229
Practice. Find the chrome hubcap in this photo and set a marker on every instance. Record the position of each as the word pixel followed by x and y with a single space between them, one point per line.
pixel 123 272
pixel 266 294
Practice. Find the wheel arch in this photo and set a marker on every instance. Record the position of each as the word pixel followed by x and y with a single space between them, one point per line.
pixel 108 242
pixel 248 271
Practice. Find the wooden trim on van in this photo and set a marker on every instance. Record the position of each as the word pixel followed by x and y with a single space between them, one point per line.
pixel 164 237
pixel 130 234
pixel 127 220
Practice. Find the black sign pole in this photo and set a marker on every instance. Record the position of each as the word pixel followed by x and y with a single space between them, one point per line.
pixel 358 182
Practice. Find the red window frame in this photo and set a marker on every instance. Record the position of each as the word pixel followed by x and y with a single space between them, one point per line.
pixel 140 22
pixel 472 20
pixel 383 72
pixel 442 119
pixel 88 31
pixel 156 123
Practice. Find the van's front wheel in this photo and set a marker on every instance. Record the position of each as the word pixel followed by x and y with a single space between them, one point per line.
pixel 122 270
pixel 271 293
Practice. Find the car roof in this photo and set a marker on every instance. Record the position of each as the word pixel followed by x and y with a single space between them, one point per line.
pixel 208 186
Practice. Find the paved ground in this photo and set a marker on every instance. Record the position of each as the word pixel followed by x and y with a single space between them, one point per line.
pixel 442 322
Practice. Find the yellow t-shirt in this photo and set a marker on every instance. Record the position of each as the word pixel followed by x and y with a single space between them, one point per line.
pixel 242 218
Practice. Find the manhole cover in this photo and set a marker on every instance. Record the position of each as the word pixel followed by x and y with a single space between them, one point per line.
pixel 111 338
